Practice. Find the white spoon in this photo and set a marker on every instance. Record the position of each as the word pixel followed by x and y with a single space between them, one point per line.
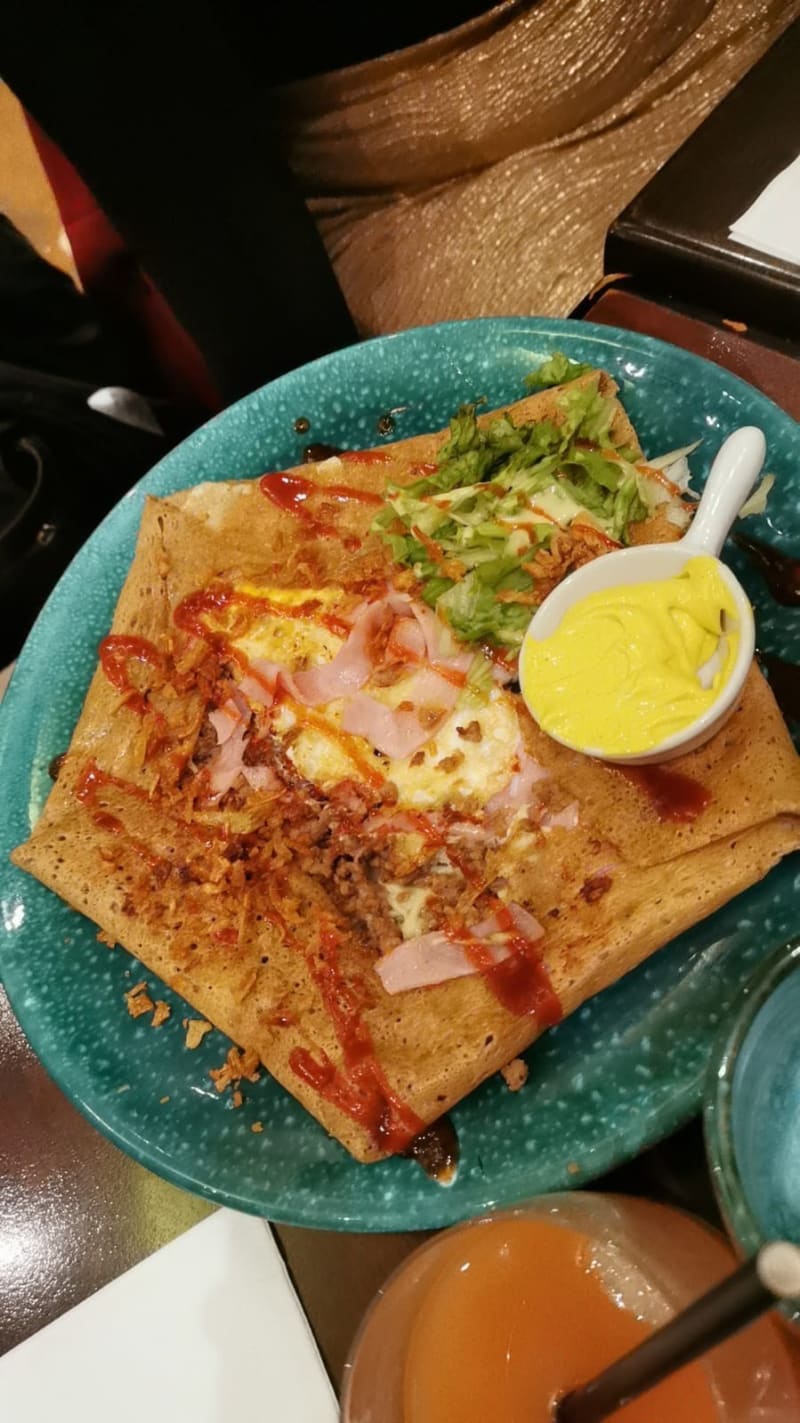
pixel 732 476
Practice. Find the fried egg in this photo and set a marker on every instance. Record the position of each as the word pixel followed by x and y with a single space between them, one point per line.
pixel 293 642
pixel 449 770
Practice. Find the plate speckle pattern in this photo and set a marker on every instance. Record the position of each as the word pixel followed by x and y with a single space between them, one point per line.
pixel 622 1072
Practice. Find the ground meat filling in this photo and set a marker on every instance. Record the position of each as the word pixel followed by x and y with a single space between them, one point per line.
pixel 363 899
pixel 205 745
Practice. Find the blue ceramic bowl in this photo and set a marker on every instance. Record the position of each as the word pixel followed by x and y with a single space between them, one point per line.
pixel 752 1112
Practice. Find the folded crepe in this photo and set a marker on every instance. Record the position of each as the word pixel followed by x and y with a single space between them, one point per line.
pixel 336 831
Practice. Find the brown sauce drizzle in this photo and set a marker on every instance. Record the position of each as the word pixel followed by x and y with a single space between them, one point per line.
pixel 313 454
pixel 54 769
pixel 437 1151
pixel 672 795
pixel 780 572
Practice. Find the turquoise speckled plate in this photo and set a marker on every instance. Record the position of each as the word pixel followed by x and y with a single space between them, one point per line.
pixel 622 1072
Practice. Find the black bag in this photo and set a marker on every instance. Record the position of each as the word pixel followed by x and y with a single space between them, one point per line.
pixel 63 460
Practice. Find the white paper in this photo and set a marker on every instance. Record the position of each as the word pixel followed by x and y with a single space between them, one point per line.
pixel 207 1329
pixel 772 223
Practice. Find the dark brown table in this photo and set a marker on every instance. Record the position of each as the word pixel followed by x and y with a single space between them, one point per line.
pixel 75 1212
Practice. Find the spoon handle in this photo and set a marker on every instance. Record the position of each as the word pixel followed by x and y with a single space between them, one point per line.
pixel 735 470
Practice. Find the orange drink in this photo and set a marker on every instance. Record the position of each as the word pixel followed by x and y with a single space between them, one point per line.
pixel 497 1319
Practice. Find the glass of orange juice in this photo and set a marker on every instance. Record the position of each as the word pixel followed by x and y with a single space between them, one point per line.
pixel 494 1320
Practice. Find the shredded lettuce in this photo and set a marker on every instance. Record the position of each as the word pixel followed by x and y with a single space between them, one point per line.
pixel 757 502
pixel 556 370
pixel 500 492
pixel 478 684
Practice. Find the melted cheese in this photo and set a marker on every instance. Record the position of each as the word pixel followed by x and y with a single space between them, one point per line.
pixel 408 904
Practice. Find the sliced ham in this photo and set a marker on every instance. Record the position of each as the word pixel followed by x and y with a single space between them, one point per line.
pixel 567 818
pixel 231 722
pixel 227 763
pixel 393 630
pixel 433 640
pixel 427 960
pixel 351 667
pixel 524 921
pixel 406 641
pixel 516 793
pixel 225 720
pixel 261 684
pixel 437 957
pixel 261 778
pixel 395 733
pixel 440 645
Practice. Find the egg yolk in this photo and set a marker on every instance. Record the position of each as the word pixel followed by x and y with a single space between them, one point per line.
pixel 629 667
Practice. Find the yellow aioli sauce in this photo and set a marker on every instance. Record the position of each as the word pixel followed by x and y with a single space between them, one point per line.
pixel 620 673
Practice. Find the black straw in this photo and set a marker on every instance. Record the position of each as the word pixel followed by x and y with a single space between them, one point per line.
pixel 774 1273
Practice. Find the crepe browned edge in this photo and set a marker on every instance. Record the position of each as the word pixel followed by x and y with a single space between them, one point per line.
pixel 435 1045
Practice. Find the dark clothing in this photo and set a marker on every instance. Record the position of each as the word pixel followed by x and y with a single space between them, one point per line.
pixel 160 110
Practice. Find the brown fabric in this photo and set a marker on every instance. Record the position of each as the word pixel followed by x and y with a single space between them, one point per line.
pixel 477 173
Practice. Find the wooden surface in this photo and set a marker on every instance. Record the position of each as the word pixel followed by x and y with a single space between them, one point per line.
pixel 773 371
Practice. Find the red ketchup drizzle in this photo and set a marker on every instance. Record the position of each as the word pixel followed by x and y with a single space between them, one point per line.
pixel 365 456
pixel 229 936
pixel 436 836
pixel 291 492
pixel 92 781
pixel 344 493
pixel 116 655
pixel 305 716
pixel 189 615
pixel 359 1087
pixel 521 981
pixel 672 795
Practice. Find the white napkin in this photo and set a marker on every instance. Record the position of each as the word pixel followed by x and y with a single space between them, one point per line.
pixel 772 223
pixel 207 1330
